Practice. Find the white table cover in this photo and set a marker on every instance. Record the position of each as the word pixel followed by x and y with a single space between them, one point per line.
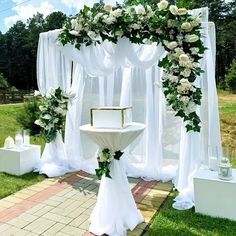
pixel 115 210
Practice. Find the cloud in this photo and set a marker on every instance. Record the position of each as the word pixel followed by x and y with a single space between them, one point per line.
pixel 23 12
pixel 79 4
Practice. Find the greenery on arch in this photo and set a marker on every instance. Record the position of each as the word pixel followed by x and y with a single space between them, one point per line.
pixel 173 27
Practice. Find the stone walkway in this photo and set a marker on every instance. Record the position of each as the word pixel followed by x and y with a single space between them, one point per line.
pixel 62 206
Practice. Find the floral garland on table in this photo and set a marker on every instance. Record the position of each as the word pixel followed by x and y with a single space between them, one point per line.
pixel 104 160
pixel 173 27
pixel 53 108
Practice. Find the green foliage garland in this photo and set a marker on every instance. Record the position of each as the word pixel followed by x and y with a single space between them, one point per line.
pixel 173 27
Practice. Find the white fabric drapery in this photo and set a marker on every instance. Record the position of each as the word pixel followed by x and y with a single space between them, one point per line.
pixel 124 74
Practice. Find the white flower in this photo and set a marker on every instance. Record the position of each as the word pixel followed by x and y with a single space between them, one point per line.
pixel 46 117
pixel 51 91
pixel 191 38
pixel 194 51
pixel 186 72
pixel 191 107
pixel 89 14
pixel 78 27
pixel 39 123
pixel 36 93
pixel 140 10
pixel 93 35
pixel 186 26
pixel 97 17
pixel 73 23
pixel 159 31
pixel 172 45
pixel 119 33
pixel 60 111
pixel 184 87
pixel 48 127
pixel 149 11
pixel 196 21
pixel 183 58
pixel 73 32
pixel 109 19
pixel 42 108
pixel 178 52
pixel 173 79
pixel 108 7
pixel 170 24
pixel 135 26
pixel 173 9
pixel 117 13
pixel 182 11
pixel 184 99
pixel 163 4
pixel 55 120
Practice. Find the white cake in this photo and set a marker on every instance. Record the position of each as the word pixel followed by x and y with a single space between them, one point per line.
pixel 111 117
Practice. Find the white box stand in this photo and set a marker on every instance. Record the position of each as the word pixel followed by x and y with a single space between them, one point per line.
pixel 19 161
pixel 215 197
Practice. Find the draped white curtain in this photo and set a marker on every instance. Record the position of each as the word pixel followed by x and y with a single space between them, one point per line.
pixel 125 74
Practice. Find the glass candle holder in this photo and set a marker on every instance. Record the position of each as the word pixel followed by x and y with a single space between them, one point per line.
pixel 26 137
pixel 225 169
pixel 19 139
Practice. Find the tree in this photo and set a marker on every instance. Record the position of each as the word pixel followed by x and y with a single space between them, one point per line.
pixel 3 82
pixel 231 77
pixel 54 21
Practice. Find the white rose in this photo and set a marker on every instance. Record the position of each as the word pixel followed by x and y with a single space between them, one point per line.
pixel 173 9
pixel 149 11
pixel 183 58
pixel 109 20
pixel 196 21
pixel 92 35
pixel 119 33
pixel 78 27
pixel 172 45
pixel 97 17
pixel 191 107
pixel 60 111
pixel 107 7
pixel 55 120
pixel 140 10
pixel 194 51
pixel 173 79
pixel 186 26
pixel 159 31
pixel 182 11
pixel 178 52
pixel 186 72
pixel 191 38
pixel 184 81
pixel 184 99
pixel 163 4
pixel 169 96
pixel 73 32
pixel 117 13
pixel 135 26
pixel 36 93
pixel 73 23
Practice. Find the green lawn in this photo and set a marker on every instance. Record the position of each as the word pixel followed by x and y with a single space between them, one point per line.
pixel 8 126
pixel 172 222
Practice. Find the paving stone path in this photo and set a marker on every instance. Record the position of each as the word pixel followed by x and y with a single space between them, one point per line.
pixel 62 206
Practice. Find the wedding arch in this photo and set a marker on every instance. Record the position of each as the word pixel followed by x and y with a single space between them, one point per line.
pixel 108 56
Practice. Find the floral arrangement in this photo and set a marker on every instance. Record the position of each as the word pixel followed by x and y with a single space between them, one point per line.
pixel 104 160
pixel 53 108
pixel 173 27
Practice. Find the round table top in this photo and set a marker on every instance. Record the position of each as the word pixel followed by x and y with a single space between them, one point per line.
pixel 134 126
pixel 114 139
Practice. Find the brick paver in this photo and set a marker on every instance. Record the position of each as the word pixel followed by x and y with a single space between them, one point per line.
pixel 62 206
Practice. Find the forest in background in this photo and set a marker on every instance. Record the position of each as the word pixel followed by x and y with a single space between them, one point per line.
pixel 18 46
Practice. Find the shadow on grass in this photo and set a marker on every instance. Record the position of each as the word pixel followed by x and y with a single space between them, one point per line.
pixel 173 222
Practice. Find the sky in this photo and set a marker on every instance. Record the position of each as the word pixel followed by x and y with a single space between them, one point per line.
pixel 13 10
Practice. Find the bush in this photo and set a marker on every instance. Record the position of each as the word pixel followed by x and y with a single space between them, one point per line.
pixel 3 82
pixel 230 78
pixel 29 114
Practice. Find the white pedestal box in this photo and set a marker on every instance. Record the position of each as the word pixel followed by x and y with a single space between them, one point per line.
pixel 111 117
pixel 19 161
pixel 213 196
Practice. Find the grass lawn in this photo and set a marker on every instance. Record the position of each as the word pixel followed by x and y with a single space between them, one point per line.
pixel 8 126
pixel 172 222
